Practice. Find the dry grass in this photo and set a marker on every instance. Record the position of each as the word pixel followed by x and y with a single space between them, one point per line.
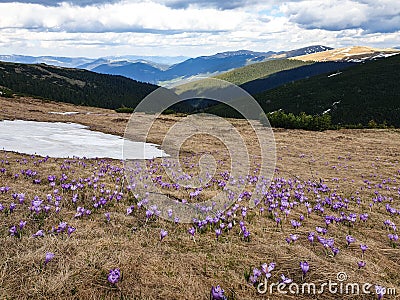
pixel 178 267
pixel 345 53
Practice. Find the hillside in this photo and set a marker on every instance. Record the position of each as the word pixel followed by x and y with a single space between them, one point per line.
pixel 359 94
pixel 259 70
pixel 349 54
pixel 73 85
pixel 286 76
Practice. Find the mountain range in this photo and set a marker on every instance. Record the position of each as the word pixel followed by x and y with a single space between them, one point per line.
pixel 162 71
pixel 323 81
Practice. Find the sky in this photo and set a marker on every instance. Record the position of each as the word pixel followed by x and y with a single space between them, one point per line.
pixel 95 28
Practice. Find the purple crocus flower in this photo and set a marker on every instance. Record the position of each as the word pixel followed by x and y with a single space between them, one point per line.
pixel 12 207
pixel 361 264
pixel 70 230
pixel 335 251
pixel 13 230
pixel 114 276
pixel 48 258
pixel 129 210
pixel 380 291
pixel 267 269
pixel 107 215
pixel 363 248
pixel 39 233
pixel 217 293
pixel 311 237
pixel 22 224
pixel 218 232
pixel 163 234
pixel 304 267
pixel 192 231
pixel 350 240
pixel 294 237
pixel 285 280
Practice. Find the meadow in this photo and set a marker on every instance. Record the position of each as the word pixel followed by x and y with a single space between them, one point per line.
pixel 78 229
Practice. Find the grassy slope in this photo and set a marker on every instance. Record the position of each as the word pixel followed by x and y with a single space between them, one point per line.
pixel 73 85
pixel 259 70
pixel 178 267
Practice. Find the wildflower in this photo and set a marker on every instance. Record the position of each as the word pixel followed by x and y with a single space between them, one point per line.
pixel 39 233
pixel 304 267
pixel 163 234
pixel 107 215
pixel 311 237
pixel 350 240
pixel 129 210
pixel 361 264
pixel 380 291
pixel 217 293
pixel 70 230
pixel 22 224
pixel 114 276
pixel 192 231
pixel 363 248
pixel 12 207
pixel 218 232
pixel 13 230
pixel 285 280
pixel 48 258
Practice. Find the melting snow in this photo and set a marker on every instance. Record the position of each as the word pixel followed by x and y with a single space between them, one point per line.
pixel 335 74
pixel 68 140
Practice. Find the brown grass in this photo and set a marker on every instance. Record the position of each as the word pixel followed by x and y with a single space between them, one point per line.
pixel 178 267
pixel 345 53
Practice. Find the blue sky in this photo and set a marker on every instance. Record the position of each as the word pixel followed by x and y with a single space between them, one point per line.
pixel 96 28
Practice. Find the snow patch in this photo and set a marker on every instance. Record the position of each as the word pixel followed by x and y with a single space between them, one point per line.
pixel 335 74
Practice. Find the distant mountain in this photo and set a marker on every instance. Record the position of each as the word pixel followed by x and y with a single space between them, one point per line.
pixel 88 63
pixel 144 71
pixel 354 95
pixel 68 62
pixel 349 54
pixel 301 51
pixel 72 85
pixel 202 66
pixel 159 69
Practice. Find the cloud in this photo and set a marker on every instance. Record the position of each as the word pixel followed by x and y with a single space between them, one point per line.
pixel 56 3
pixel 176 27
pixel 119 17
pixel 370 16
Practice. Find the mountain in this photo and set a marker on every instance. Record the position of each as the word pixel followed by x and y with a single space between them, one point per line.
pixel 159 69
pixel 301 51
pixel 72 85
pixel 69 62
pixel 349 54
pixel 202 66
pixel 89 63
pixel 144 71
pixel 354 95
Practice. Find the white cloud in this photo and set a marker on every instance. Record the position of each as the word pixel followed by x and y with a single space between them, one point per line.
pixel 371 16
pixel 172 27
pixel 117 17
